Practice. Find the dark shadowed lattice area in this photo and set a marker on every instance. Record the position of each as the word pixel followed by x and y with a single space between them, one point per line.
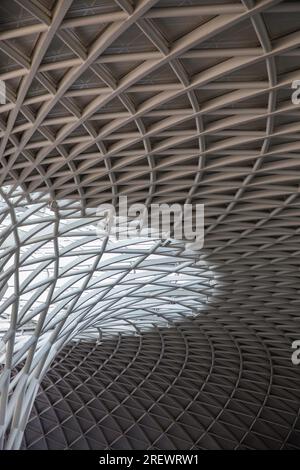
pixel 205 383
pixel 162 101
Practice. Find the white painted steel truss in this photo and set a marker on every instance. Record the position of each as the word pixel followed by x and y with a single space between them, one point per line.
pixel 59 282
pixel 161 101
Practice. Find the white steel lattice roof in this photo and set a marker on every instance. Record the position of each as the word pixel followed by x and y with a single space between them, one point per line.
pixel 160 101
pixel 66 277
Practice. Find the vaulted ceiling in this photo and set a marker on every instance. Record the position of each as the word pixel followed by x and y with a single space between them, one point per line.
pixel 172 101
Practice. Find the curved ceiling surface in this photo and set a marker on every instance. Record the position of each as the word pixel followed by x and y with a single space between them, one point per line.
pixel 160 101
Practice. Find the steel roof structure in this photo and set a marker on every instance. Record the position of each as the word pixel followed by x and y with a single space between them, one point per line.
pixel 140 343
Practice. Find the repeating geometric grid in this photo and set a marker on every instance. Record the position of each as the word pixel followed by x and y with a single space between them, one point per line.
pixel 59 282
pixel 158 100
pixel 204 383
pixel 161 101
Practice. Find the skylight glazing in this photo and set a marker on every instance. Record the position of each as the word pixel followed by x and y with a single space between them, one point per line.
pixel 60 282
